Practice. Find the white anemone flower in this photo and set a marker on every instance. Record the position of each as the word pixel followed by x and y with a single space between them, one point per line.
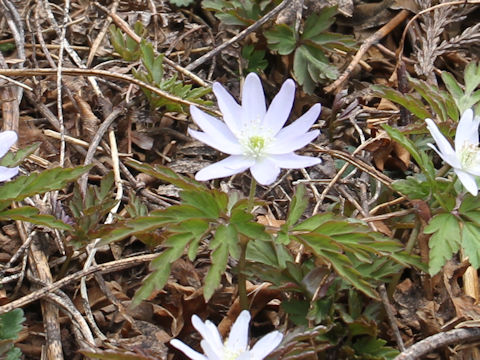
pixel 253 136
pixel 235 347
pixel 7 139
pixel 465 158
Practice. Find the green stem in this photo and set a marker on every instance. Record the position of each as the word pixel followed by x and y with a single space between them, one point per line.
pixel 242 262
pixel 242 279
pixel 251 194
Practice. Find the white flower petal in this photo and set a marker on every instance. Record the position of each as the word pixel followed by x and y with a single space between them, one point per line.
pixel 7 139
pixel 468 181
pixel 301 125
pixel 7 173
pixel 444 146
pixel 280 146
pixel 294 161
pixel 253 100
pixel 187 350
pixel 220 143
pixel 231 165
pixel 266 345
pixel 232 112
pixel 211 125
pixel 208 331
pixel 212 353
pixel 280 108
pixel 265 171
pixel 450 159
pixel 467 130
pixel 238 338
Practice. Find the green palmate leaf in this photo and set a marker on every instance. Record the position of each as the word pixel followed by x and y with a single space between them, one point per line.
pixel 445 240
pixel 203 201
pixel 469 98
pixel 255 59
pixel 440 101
pixel 135 226
pixel 471 243
pixel 161 266
pixel 31 214
pixel 281 39
pixel 414 105
pixel 10 326
pixel 12 159
pixel 316 24
pixel 297 206
pixel 414 187
pixel 313 222
pixel 224 241
pixel 38 183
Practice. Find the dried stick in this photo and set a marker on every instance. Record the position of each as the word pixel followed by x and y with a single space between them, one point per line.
pixel 107 74
pixel 436 341
pixel 377 36
pixel 241 35
pixel 391 318
pixel 104 268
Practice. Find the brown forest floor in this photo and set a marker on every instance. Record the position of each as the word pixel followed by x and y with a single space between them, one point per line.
pixel 350 119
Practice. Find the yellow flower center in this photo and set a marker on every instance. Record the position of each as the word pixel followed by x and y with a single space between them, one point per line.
pixel 469 156
pixel 254 138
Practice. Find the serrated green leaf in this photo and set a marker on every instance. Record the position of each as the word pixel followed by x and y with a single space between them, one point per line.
pixel 445 240
pixel 281 39
pixel 471 243
pixel 224 241
pixel 38 183
pixel 12 159
pixel 161 266
pixel 315 24
pixel 11 324
pixel 412 104
pixel 166 174
pixel 31 214
pixel 313 222
pixel 135 226
pixel 297 206
pixel 412 187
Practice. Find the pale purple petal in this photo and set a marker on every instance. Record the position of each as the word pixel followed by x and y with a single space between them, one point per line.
pixel 265 171
pixel 266 345
pixel 467 130
pixel 301 125
pixel 444 146
pixel 281 146
pixel 7 139
pixel 232 112
pixel 211 125
pixel 220 143
pixel 280 108
pixel 7 173
pixel 187 350
pixel 238 338
pixel 450 159
pixel 253 100
pixel 294 161
pixel 468 181
pixel 229 166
